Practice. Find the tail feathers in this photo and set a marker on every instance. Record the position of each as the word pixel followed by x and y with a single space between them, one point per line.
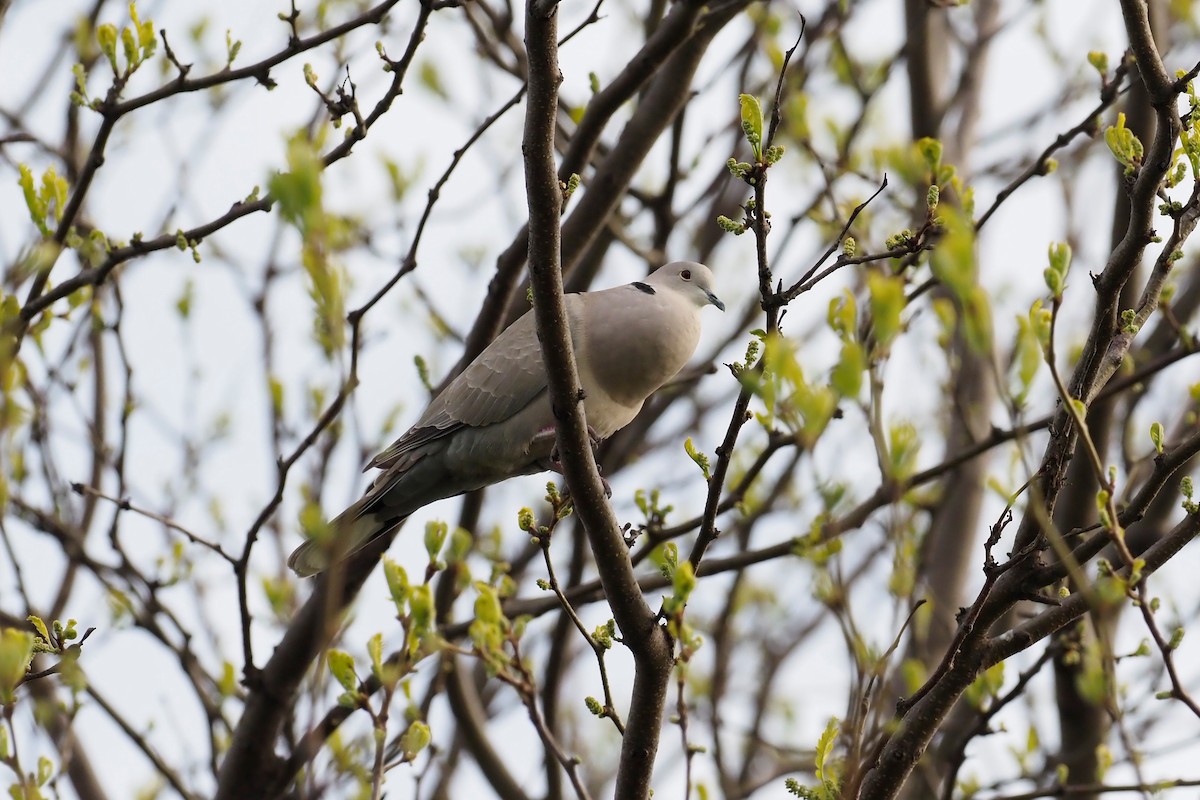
pixel 350 532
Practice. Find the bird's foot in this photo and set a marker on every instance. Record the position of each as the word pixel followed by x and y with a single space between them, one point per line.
pixel 550 434
pixel 566 492
pixel 553 464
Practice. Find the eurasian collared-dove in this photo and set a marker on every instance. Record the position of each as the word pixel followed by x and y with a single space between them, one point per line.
pixel 494 420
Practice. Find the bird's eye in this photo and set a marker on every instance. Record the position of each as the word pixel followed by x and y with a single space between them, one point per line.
pixel 686 274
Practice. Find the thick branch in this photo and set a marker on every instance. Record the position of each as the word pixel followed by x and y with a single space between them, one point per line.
pixel 651 648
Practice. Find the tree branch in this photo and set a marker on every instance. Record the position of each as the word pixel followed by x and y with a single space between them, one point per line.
pixel 652 651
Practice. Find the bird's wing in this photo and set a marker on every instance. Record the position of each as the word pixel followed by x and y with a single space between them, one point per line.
pixel 502 380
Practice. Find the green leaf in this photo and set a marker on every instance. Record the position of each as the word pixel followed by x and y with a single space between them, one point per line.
pixel 526 521
pixel 1124 145
pixel 1060 263
pixel 298 193
pixel 183 304
pixel 752 123
pixel 36 205
pixel 375 651
pixel 604 634
pixel 913 672
pixel 16 652
pixel 986 686
pixel 904 445
pixel 1053 282
pixel 1092 682
pixel 431 79
pixel 796 116
pixel 847 375
pixel 129 48
pixel 232 47
pixel 666 558
pixel 146 39
pixel 931 151
pixel 420 604
pixel 341 666
pixel 1156 436
pixel 816 406
pixel 106 37
pixel 227 683
pixel 397 581
pixel 435 537
pixel 700 458
pixel 887 302
pixel 54 192
pixel 298 190
pixel 824 749
pixel 275 388
pixel 415 739
pixel 953 261
pixel 977 320
pixel 399 179
pixel 729 226
pixel 40 626
pixel 460 546
pixel 487 605
pixel 1028 353
pixel 683 582
pixel 1102 498
pixel 843 315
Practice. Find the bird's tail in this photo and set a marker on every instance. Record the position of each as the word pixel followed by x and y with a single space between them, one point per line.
pixel 349 532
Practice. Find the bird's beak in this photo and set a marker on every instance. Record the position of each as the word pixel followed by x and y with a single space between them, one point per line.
pixel 716 301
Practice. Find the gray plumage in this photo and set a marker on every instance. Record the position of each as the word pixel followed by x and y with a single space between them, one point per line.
pixel 494 420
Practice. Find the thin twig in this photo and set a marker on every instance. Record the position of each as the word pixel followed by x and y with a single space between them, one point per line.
pixel 125 505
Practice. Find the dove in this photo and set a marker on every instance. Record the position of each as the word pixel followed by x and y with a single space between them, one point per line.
pixel 494 421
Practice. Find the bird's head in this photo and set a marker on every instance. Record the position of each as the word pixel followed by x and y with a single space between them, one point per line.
pixel 691 279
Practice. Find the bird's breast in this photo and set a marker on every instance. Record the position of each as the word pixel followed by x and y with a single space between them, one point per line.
pixel 630 353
